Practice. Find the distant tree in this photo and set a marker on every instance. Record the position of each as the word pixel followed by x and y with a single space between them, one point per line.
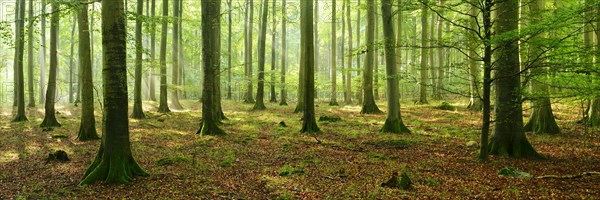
pixel 211 48
pixel 175 69
pixel 369 106
pixel 87 126
pixel 542 118
pixel 50 112
pixel 348 97
pixel 71 58
pixel 594 110
pixel 273 98
pixel 260 93
pixel 475 103
pixel 333 101
pixel 509 138
pixel 393 123
pixel 440 56
pixel 152 87
pixel 42 82
pixel 229 33
pixel 342 53
pixel 283 53
pixel 424 53
pixel 19 82
pixel 309 123
pixel 138 111
pixel 163 105
pixel 248 50
pixel 114 162
pixel 30 56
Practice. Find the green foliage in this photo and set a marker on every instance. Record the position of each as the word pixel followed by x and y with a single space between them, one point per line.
pixel 288 170
pixel 59 135
pixel 172 160
pixel 330 118
pixel 446 106
pixel 513 172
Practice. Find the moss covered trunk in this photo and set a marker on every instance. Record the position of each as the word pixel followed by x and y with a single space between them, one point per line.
pixel 114 162
pixel 309 124
pixel 87 126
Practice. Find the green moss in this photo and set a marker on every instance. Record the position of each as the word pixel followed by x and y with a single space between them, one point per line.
pixel 288 170
pixel 446 106
pixel 58 135
pixel 513 172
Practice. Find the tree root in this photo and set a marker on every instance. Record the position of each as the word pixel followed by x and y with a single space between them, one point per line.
pixel 569 176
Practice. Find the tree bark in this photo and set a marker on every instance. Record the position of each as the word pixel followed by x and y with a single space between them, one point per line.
pixel 509 138
pixel 424 54
pixel 309 123
pixel 152 78
pixel 283 53
pixel 30 57
pixel 87 125
pixel 333 101
pixel 229 49
pixel 42 83
pixel 393 123
pixel 440 56
pixel 369 106
pixel 211 25
pixel 71 57
pixel 273 98
pixel 19 79
pixel 248 55
pixel 114 162
pixel 175 57
pixel 138 111
pixel 342 53
pixel 348 100
pixel 163 105
pixel 475 103
pixel 260 93
pixel 50 113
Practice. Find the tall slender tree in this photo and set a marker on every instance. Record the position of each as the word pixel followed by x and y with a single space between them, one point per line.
pixel 369 106
pixel 542 118
pixel 283 100
pixel 475 103
pixel 273 98
pixel 163 105
pixel 175 104
pixel 229 49
pixel 50 112
pixel 71 59
pixel 260 93
pixel 342 52
pixel 138 111
pixel 440 55
pixel 248 51
pixel 87 126
pixel 349 69
pixel 114 162
pixel 309 123
pixel 42 82
pixel 509 138
pixel 30 56
pixel 211 48
pixel 19 81
pixel 333 101
pixel 151 77
pixel 424 53
pixel 393 123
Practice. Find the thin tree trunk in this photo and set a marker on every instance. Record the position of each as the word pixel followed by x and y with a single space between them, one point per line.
pixel 71 58
pixel 440 56
pixel 229 50
pixel 175 56
pixel 42 82
pixel 30 57
pixel 369 106
pixel 163 105
pixel 273 98
pixel 424 53
pixel 342 52
pixel 87 126
pixel 393 123
pixel 249 89
pixel 359 94
pixel 475 103
pixel 309 124
pixel 349 72
pixel 283 53
pixel 260 93
pixel 19 80
pixel 152 50
pixel 138 111
pixel 333 101
pixel 50 113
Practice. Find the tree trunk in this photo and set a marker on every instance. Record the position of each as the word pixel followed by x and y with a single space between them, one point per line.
pixel 542 118
pixel 369 106
pixel 211 25
pixel 71 57
pixel 229 49
pixel 376 52
pixel 475 103
pixel 342 51
pixel 87 126
pixel 114 162
pixel 393 123
pixel 260 93
pixel 440 56
pixel 138 111
pixel 273 98
pixel 359 94
pixel 50 113
pixel 594 111
pixel 487 76
pixel 152 86
pixel 30 57
pixel 16 61
pixel 283 53
pixel 163 105
pixel 175 56
pixel 309 124
pixel 42 82
pixel 248 55
pixel 348 100
pixel 317 45
pixel 509 138
pixel 19 80
pixel 432 65
pixel 424 53
pixel 333 101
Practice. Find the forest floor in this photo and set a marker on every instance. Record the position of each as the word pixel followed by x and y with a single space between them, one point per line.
pixel 259 159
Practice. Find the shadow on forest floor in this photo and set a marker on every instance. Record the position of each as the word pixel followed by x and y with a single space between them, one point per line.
pixel 260 159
